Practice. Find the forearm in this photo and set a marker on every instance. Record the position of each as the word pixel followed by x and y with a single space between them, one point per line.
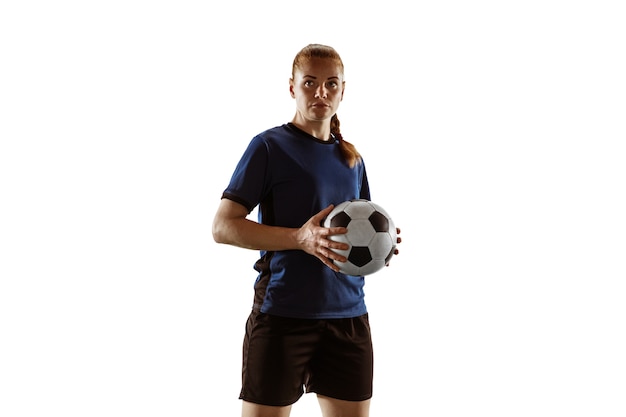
pixel 249 234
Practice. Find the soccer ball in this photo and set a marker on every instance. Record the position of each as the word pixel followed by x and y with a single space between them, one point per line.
pixel 371 235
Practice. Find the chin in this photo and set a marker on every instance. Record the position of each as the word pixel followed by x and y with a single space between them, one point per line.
pixel 322 115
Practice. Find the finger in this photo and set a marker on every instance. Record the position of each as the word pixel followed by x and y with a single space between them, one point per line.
pixel 332 265
pixel 337 257
pixel 338 245
pixel 329 253
pixel 329 263
pixel 332 246
pixel 338 230
pixel 322 214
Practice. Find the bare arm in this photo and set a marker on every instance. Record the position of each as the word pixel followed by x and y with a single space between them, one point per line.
pixel 231 226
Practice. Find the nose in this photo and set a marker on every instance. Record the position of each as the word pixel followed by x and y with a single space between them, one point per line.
pixel 321 92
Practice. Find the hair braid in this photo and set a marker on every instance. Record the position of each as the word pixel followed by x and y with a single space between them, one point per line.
pixel 348 150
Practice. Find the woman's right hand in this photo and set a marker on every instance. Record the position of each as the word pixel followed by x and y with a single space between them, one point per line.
pixel 315 240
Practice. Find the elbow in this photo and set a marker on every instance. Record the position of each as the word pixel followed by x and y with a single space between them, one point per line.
pixel 218 234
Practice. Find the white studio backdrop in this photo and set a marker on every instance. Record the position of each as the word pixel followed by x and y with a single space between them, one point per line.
pixel 492 132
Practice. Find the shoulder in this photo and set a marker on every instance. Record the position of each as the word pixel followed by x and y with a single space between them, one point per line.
pixel 277 133
pixel 279 137
pixel 265 137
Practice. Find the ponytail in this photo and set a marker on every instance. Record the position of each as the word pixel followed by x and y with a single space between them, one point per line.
pixel 348 150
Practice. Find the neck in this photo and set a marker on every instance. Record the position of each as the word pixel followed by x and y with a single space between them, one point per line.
pixel 317 129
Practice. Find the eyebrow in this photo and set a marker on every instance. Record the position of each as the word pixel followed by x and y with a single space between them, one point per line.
pixel 315 78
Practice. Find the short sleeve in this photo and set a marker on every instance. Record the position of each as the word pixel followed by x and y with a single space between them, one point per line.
pixel 248 183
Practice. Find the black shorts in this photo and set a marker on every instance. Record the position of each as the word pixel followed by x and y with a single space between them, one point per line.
pixel 282 356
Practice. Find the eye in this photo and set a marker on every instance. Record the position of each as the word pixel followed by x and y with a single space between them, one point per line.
pixel 332 84
pixel 309 83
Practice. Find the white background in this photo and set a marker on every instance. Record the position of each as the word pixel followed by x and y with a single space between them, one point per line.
pixel 493 133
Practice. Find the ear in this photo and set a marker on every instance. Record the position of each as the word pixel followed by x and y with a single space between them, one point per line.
pixel 293 95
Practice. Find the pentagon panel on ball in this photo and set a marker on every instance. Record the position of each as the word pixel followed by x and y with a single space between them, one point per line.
pixel 371 235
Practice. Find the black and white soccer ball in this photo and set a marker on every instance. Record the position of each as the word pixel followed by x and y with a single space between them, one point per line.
pixel 371 235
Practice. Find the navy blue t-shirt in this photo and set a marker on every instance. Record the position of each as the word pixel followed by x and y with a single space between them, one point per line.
pixel 291 176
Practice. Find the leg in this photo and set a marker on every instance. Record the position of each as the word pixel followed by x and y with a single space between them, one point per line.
pixel 332 407
pixel 249 409
pixel 343 369
pixel 275 355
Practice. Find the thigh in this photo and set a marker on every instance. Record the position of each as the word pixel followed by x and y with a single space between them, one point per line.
pixel 343 367
pixel 332 407
pixel 276 354
pixel 249 409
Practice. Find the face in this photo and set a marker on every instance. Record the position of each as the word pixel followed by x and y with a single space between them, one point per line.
pixel 318 89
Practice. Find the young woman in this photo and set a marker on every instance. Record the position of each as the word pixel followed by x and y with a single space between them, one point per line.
pixel 309 325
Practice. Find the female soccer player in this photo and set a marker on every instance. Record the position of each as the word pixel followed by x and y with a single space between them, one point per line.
pixel 308 328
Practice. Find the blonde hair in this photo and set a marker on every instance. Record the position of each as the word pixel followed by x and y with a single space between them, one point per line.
pixel 314 50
